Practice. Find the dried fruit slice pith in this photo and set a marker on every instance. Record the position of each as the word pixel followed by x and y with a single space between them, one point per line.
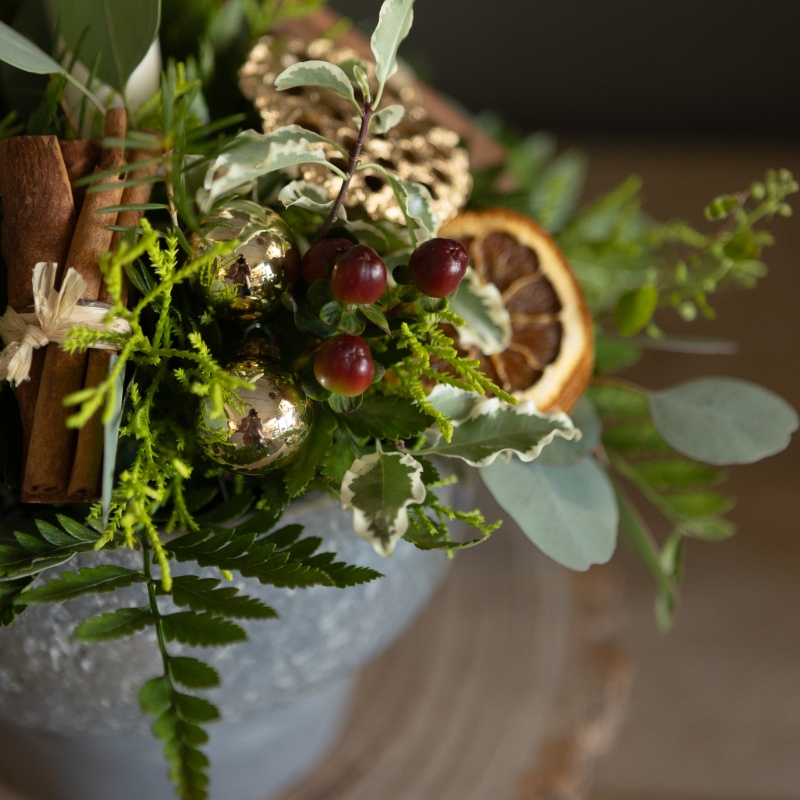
pixel 551 353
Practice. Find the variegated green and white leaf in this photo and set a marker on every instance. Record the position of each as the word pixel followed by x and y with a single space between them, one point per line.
pixel 415 202
pixel 481 306
pixel 387 118
pixel 454 403
pixel 494 428
pixel 252 155
pixel 321 74
pixel 311 196
pixel 378 489
pixel 394 24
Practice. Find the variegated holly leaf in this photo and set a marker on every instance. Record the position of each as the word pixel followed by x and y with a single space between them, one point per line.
pixel 252 155
pixel 454 403
pixel 317 73
pixel 481 306
pixel 378 489
pixel 494 428
pixel 310 196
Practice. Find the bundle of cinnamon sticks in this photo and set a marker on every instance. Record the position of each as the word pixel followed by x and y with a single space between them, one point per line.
pixel 46 218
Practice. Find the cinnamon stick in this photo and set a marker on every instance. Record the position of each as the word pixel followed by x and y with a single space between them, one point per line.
pixel 39 220
pixel 52 444
pixel 84 484
pixel 81 156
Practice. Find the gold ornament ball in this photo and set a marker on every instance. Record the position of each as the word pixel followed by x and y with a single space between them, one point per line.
pixel 247 285
pixel 267 429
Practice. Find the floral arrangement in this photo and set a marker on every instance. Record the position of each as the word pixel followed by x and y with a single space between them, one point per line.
pixel 200 331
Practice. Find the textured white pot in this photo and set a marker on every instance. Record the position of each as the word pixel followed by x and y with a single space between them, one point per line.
pixel 70 725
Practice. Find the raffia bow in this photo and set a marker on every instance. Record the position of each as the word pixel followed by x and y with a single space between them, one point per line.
pixel 56 314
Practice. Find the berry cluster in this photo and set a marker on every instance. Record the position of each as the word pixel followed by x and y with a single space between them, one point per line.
pixel 358 276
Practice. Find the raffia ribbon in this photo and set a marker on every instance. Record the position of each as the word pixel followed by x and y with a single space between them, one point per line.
pixel 56 314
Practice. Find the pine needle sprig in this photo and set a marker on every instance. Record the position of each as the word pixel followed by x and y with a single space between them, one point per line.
pixel 426 340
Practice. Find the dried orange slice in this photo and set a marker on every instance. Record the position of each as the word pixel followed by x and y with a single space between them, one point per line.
pixel 551 354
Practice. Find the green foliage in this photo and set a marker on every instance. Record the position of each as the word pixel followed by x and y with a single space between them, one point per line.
pixel 482 438
pixel 635 310
pixel 200 630
pixel 32 555
pixel 20 52
pixel 570 513
pixel 678 487
pixel 387 417
pixel 90 580
pixel 722 420
pixel 303 470
pixel 621 256
pixel 114 625
pixel 425 340
pixel 11 597
pixel 117 34
pixel 378 489
pixel 202 594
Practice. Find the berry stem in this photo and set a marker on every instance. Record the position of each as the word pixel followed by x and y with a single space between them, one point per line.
pixel 355 160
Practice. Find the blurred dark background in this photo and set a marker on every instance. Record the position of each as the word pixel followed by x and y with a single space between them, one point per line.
pixel 665 66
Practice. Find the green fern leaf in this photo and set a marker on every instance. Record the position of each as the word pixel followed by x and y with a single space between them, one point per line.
pixel 344 575
pixel 10 599
pixel 195 709
pixel 201 630
pixel 251 559
pixel 115 625
pixel 192 673
pixel 304 468
pixel 202 594
pixel 90 580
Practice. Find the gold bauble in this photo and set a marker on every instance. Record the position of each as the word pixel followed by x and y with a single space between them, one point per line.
pixel 415 150
pixel 267 429
pixel 247 284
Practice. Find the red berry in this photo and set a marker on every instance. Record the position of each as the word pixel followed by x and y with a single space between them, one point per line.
pixel 317 262
pixel 344 365
pixel 438 266
pixel 359 276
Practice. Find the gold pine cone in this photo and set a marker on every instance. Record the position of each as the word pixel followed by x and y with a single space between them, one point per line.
pixel 416 149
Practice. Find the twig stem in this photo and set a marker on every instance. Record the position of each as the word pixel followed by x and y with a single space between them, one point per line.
pixel 355 160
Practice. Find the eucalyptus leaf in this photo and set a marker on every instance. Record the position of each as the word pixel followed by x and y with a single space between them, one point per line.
pixel 387 118
pixel 494 428
pixel 252 155
pixel 120 33
pixel 570 513
pixel 321 74
pixel 723 420
pixel 394 24
pixel 378 490
pixel 481 306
